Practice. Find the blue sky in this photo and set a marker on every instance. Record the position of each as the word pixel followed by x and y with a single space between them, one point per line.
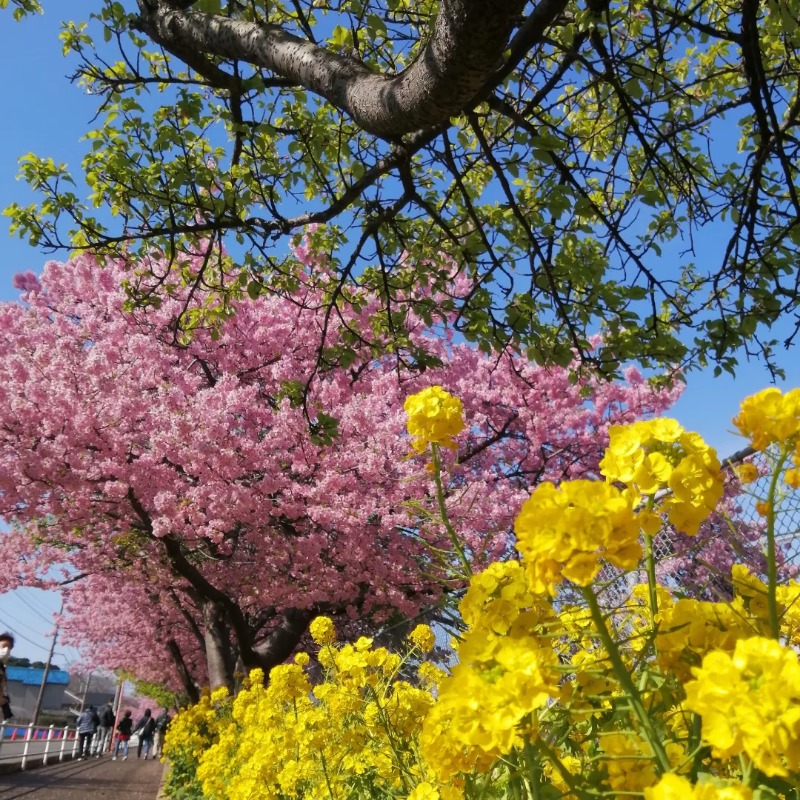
pixel 44 113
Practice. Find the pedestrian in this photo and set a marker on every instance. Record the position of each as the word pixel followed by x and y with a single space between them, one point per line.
pixel 104 729
pixel 87 725
pixel 146 728
pixel 162 723
pixel 6 645
pixel 124 730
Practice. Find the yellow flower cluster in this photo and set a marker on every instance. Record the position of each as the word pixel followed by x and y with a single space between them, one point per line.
pixel 771 417
pixel 351 735
pixel 423 638
pixel 658 454
pixel 552 693
pixel 628 761
pixel 322 630
pixel 505 672
pixel 750 703
pixel 563 532
pixel 674 787
pixel 434 417
pixel 189 737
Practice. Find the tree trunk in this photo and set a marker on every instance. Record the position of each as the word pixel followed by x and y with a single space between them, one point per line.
pixel 189 686
pixel 280 643
pixel 218 647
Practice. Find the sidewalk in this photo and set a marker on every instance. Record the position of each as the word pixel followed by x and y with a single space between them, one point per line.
pixel 78 780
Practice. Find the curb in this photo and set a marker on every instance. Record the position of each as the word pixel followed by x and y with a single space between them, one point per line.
pixel 164 774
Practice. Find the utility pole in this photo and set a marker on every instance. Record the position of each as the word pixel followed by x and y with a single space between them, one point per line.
pixel 117 710
pixel 118 697
pixel 86 690
pixel 37 709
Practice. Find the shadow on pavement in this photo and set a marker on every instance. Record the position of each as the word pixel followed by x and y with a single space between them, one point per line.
pixel 86 780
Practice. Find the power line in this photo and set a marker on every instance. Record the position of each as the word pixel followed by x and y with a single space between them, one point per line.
pixel 36 602
pixel 25 638
pixel 32 609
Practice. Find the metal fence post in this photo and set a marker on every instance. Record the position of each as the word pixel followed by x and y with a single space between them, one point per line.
pixel 2 734
pixel 75 744
pixel 28 735
pixel 63 743
pixel 47 744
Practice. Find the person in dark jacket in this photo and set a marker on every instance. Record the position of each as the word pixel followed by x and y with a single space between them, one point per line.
pixel 146 728
pixel 6 645
pixel 87 725
pixel 104 729
pixel 162 723
pixel 124 731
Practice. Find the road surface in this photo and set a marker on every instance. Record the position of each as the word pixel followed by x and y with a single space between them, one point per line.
pixel 98 779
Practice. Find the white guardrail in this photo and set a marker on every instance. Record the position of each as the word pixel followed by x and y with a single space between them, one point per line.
pixel 23 743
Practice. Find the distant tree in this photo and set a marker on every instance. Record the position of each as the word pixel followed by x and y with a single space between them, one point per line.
pixel 206 497
pixel 572 157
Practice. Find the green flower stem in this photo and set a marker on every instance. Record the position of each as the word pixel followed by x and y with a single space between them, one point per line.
pixel 437 476
pixel 533 768
pixel 772 557
pixel 552 757
pixel 650 564
pixel 748 774
pixel 623 676
pixel 696 744
pixel 327 777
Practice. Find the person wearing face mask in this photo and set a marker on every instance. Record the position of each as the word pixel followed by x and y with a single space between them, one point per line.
pixel 6 643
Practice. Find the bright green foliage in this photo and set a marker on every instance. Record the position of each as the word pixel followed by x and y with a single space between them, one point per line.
pixel 162 697
pixel 22 7
pixel 572 193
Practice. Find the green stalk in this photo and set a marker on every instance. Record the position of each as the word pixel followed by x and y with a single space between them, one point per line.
pixel 650 563
pixel 553 758
pixel 533 767
pixel 772 558
pixel 325 773
pixel 437 476
pixel 623 676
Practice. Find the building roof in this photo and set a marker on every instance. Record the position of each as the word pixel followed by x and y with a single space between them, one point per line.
pixel 30 676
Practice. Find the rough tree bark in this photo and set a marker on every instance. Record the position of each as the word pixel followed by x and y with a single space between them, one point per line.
pixel 189 686
pixel 465 47
pixel 218 647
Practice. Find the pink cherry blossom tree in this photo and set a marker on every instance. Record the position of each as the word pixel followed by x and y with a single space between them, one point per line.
pixel 185 491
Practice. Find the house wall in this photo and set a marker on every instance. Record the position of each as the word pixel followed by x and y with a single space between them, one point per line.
pixel 23 699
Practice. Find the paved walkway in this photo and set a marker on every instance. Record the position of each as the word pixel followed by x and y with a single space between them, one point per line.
pixel 86 780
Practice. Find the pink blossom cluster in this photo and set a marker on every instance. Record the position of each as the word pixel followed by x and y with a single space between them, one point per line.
pixel 159 473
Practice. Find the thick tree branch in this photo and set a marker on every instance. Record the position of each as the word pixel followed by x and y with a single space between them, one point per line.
pixel 283 639
pixel 465 48
pixel 189 686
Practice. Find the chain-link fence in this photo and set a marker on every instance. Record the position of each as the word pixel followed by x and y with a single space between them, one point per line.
pixel 700 566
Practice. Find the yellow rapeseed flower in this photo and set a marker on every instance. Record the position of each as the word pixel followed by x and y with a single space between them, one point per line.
pixel 657 454
pixel 676 787
pixel 747 472
pixel 434 417
pixel 424 791
pixel 749 702
pixel 423 638
pixel 770 417
pixel 563 531
pixel 322 630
